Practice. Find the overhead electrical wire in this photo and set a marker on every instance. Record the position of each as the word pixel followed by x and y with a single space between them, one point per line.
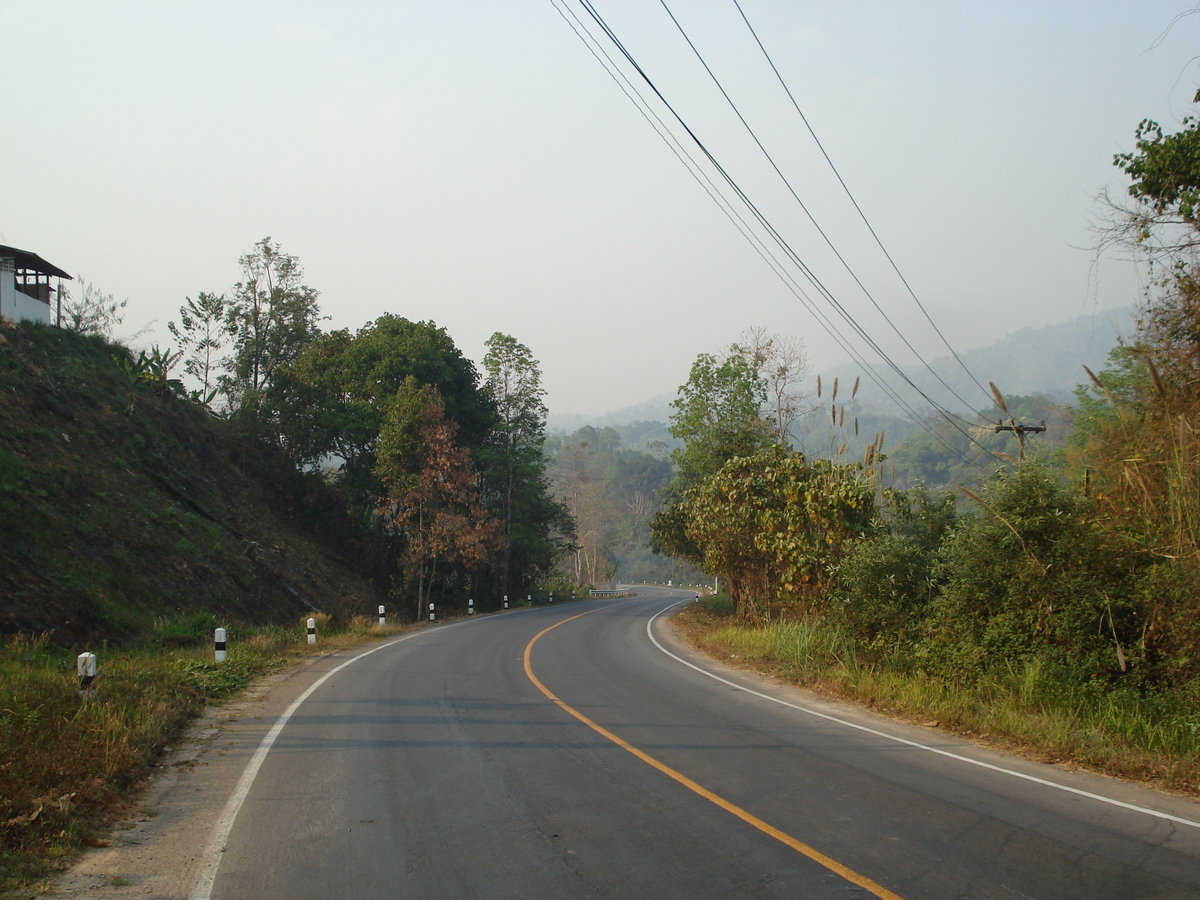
pixel 696 171
pixel 811 218
pixel 817 284
pixel 857 208
pixel 830 327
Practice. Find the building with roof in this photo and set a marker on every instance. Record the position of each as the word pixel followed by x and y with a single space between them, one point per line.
pixel 25 291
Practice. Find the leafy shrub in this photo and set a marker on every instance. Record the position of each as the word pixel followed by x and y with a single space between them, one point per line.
pixel 886 583
pixel 1033 572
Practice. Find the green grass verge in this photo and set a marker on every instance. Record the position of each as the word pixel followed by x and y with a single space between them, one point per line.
pixel 1026 707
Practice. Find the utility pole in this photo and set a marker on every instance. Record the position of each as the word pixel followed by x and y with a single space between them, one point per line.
pixel 1020 431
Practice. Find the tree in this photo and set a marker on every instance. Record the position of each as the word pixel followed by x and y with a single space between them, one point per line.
pixel 273 315
pixel 612 494
pixel 516 464
pixel 1166 187
pixel 91 311
pixel 334 398
pixel 432 501
pixel 771 526
pixel 1035 572
pixel 201 333
pixel 718 414
pixel 782 364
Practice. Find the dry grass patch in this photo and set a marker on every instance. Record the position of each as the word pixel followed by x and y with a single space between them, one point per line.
pixel 70 761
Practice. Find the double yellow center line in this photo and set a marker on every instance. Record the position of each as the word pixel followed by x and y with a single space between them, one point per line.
pixel 799 846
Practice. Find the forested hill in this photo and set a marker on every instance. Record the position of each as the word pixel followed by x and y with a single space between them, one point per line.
pixel 126 510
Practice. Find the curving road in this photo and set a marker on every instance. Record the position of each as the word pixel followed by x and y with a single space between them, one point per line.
pixel 579 752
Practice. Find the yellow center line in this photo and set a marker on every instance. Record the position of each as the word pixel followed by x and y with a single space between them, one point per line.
pixel 799 846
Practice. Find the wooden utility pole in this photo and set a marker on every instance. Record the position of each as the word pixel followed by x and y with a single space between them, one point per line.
pixel 1020 431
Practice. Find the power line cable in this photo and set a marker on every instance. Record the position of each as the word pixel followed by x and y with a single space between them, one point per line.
pixel 776 236
pixel 857 208
pixel 635 97
pixel 807 212
pixel 784 245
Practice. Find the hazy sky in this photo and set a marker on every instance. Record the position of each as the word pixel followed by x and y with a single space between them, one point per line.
pixel 472 163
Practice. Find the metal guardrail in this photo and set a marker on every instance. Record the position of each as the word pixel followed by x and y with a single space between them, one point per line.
pixel 592 592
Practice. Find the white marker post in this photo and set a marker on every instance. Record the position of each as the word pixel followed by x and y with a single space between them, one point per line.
pixel 506 601
pixel 382 616
pixel 529 598
pixel 431 612
pixel 552 596
pixel 219 644
pixel 85 663
pixel 471 607
pixel 312 631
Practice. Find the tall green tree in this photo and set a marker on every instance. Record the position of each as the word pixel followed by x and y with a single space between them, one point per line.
pixel 719 414
pixel 516 465
pixel 333 400
pixel 272 316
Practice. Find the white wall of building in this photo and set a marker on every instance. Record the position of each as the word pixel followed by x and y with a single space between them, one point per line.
pixel 18 307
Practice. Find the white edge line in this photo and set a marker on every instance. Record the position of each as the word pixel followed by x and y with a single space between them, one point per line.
pixel 203 885
pixel 899 740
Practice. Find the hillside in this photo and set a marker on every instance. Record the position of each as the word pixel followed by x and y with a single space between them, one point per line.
pixel 126 511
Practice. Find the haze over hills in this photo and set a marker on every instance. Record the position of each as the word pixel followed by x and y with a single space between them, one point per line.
pixel 1045 361
pixel 656 409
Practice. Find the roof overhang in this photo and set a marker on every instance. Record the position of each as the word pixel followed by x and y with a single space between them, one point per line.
pixel 32 263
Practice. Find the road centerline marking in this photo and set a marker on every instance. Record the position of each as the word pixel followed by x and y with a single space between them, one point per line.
pixel 749 818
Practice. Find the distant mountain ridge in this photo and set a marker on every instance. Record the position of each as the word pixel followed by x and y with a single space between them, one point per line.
pixel 1046 361
pixel 656 409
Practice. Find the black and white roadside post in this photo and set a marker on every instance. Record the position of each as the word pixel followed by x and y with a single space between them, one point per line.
pixel 552 596
pixel 219 644
pixel 312 631
pixel 431 614
pixel 471 607
pixel 506 601
pixel 85 664
pixel 529 598
pixel 382 616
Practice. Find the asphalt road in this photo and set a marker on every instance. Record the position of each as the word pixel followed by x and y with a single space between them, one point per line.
pixel 494 758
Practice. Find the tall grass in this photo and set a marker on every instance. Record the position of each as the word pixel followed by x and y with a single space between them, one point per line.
pixel 1027 705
